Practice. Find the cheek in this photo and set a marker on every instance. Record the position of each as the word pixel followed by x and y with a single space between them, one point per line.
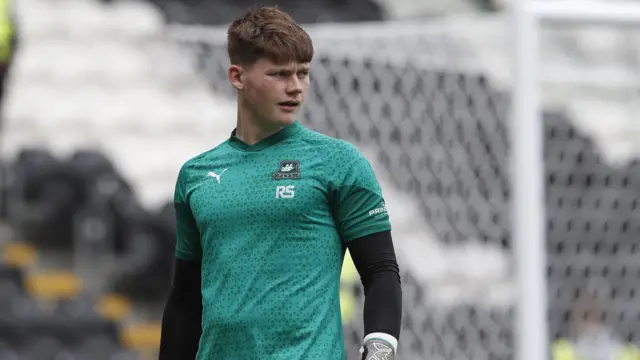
pixel 258 93
pixel 268 90
pixel 305 87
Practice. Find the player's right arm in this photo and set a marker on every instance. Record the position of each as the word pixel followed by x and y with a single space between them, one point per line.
pixel 182 318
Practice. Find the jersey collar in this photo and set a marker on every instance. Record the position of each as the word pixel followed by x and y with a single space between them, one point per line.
pixel 281 135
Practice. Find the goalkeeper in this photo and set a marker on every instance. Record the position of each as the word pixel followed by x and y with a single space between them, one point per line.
pixel 264 219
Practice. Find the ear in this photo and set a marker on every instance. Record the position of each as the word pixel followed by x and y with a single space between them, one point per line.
pixel 236 73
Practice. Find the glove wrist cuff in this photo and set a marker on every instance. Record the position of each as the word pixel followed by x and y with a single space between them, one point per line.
pixel 384 337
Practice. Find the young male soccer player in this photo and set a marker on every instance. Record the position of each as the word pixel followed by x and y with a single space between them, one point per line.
pixel 263 221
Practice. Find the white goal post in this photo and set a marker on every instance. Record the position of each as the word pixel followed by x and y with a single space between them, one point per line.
pixel 531 338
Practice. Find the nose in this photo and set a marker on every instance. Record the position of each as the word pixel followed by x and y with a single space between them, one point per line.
pixel 294 86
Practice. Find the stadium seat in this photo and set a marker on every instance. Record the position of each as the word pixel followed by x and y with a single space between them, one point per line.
pixel 53 286
pixel 24 103
pixel 308 11
pixel 42 348
pixel 116 64
pixel 136 20
pixel 88 20
pixel 40 20
pixel 11 276
pixel 29 64
pixel 142 337
pixel 8 354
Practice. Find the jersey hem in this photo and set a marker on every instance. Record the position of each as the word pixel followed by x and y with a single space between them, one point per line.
pixel 182 255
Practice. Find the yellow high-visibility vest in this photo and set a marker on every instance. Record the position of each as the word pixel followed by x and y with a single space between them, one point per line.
pixel 349 274
pixel 563 350
pixel 6 30
pixel 348 277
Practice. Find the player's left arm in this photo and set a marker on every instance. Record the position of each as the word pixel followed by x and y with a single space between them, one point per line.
pixel 364 225
pixel 374 257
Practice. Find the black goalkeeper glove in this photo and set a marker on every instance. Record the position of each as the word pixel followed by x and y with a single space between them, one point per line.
pixel 376 349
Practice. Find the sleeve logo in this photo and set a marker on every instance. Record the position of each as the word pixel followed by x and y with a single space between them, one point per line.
pixel 378 211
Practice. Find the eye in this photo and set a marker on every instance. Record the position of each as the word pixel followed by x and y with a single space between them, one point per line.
pixel 303 74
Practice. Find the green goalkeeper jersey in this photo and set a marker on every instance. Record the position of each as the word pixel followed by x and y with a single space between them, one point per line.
pixel 270 223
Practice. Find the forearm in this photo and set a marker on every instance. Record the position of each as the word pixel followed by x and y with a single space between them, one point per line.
pixel 181 329
pixel 383 302
pixel 375 259
pixel 182 318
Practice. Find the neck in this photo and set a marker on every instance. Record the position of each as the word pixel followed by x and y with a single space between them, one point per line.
pixel 250 129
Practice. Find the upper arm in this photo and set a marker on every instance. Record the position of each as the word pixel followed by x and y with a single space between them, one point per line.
pixel 186 279
pixel 357 201
pixel 188 246
pixel 373 253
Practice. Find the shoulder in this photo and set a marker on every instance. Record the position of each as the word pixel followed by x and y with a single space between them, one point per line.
pixel 342 161
pixel 335 150
pixel 202 160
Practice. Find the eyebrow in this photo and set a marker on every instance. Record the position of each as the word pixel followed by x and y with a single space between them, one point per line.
pixel 305 67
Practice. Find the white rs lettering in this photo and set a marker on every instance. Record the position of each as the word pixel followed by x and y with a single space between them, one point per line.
pixel 285 192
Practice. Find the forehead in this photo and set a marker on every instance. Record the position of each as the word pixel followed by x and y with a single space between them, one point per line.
pixel 267 65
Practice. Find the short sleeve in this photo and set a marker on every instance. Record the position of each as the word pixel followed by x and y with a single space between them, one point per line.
pixel 188 246
pixel 357 202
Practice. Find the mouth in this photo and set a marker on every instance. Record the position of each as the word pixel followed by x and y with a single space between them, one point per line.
pixel 289 105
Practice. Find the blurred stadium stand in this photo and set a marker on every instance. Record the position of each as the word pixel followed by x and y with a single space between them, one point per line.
pixel 219 12
pixel 106 102
pixel 90 226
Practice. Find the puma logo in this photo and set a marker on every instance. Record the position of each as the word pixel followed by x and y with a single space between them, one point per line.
pixel 213 174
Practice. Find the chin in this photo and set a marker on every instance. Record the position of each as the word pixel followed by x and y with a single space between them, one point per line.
pixel 286 119
pixel 289 121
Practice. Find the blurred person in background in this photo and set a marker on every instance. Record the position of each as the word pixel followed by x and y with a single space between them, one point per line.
pixel 8 42
pixel 264 220
pixel 349 289
pixel 349 280
pixel 591 337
